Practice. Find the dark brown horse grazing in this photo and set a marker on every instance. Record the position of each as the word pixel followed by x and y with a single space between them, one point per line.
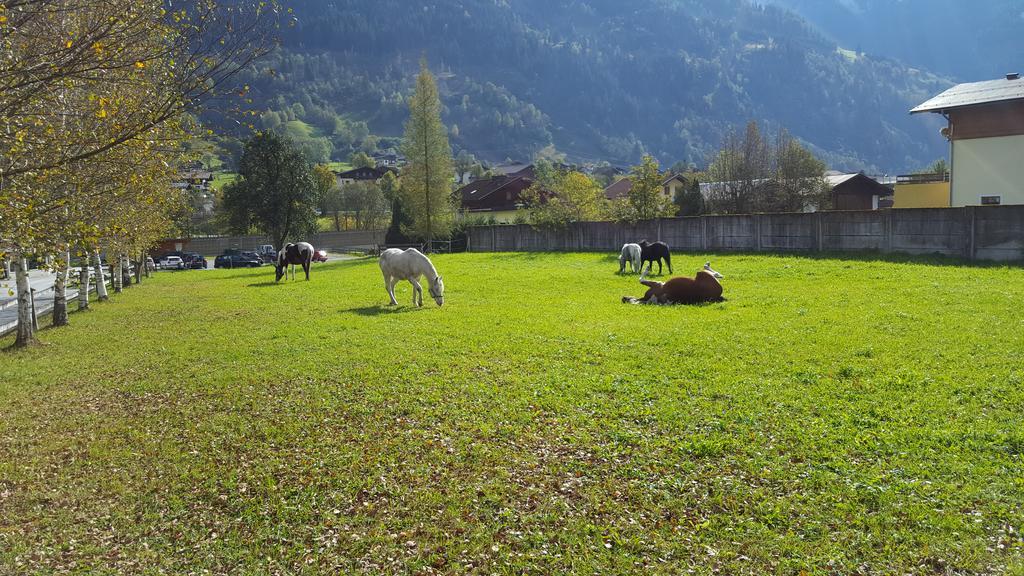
pixel 702 288
pixel 301 253
pixel 655 253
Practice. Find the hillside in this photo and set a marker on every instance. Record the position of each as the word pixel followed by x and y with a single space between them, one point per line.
pixel 969 41
pixel 599 79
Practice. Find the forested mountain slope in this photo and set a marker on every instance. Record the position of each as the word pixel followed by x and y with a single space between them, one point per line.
pixel 598 79
pixel 968 40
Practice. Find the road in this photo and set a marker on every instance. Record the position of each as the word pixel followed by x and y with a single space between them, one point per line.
pixel 43 283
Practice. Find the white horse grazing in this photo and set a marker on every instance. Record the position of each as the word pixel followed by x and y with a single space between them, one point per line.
pixel 630 253
pixel 410 265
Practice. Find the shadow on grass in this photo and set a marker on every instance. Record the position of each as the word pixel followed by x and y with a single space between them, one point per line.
pixel 379 310
pixel 266 284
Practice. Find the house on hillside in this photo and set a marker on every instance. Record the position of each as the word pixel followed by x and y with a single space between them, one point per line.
pixel 510 168
pixel 670 186
pixel 499 198
pixel 362 174
pixel 194 180
pixel 986 133
pixel 388 159
pixel 198 184
pixel 858 192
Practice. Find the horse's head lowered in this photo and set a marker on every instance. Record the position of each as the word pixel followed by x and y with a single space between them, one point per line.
pixel 437 290
pixel 281 265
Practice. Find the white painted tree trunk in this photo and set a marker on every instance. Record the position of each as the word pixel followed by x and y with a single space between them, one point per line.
pixel 60 293
pixel 26 330
pixel 101 281
pixel 139 268
pixel 126 272
pixel 116 275
pixel 83 285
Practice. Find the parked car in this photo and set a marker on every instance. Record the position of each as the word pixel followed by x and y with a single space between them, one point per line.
pixel 320 256
pixel 267 252
pixel 194 261
pixel 237 261
pixel 172 263
pixel 252 255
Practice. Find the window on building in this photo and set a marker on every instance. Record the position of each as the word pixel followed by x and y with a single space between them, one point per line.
pixel 991 200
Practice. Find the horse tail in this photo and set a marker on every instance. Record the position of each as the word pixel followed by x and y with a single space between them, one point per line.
pixel 668 260
pixel 643 272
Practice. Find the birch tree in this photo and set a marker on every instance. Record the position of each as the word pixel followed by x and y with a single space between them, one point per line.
pixel 81 79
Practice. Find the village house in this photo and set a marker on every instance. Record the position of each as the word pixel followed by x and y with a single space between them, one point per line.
pixel 498 198
pixel 198 185
pixel 670 186
pixel 858 192
pixel 388 159
pixel 985 128
pixel 362 174
pixel 194 180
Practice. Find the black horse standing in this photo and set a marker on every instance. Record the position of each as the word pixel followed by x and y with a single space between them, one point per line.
pixel 301 253
pixel 655 253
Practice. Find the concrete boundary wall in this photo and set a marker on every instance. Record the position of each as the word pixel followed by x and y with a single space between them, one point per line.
pixel 974 233
pixel 212 246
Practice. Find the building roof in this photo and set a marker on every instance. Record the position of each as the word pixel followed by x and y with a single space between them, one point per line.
pixel 857 183
pixel 837 179
pixel 196 175
pixel 618 189
pixel 672 177
pixel 509 169
pixel 495 193
pixel 975 93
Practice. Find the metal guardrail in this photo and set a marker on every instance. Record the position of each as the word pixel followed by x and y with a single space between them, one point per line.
pixel 922 178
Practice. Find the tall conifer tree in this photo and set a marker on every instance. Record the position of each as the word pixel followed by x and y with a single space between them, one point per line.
pixel 427 179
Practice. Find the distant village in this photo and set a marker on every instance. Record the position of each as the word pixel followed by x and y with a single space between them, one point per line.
pixel 985 128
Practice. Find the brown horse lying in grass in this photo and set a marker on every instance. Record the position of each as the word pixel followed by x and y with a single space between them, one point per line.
pixel 702 288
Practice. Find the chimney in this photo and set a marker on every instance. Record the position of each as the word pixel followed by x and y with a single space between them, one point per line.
pixel 1013 76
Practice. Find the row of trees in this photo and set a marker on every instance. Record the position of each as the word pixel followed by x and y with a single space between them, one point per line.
pixel 749 174
pixel 755 174
pixel 93 103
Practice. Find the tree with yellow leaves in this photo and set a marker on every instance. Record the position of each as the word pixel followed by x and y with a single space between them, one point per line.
pixel 87 91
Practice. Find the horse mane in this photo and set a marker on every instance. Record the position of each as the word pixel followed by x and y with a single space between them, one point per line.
pixel 430 266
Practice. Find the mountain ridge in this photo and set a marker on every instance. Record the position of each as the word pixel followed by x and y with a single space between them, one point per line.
pixel 600 80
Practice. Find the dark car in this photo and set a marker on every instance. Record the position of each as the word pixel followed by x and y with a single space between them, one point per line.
pixel 320 256
pixel 194 261
pixel 252 255
pixel 236 261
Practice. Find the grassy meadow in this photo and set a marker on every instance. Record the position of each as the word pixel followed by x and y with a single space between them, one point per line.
pixel 834 416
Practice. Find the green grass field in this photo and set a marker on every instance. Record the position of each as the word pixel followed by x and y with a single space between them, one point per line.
pixel 832 417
